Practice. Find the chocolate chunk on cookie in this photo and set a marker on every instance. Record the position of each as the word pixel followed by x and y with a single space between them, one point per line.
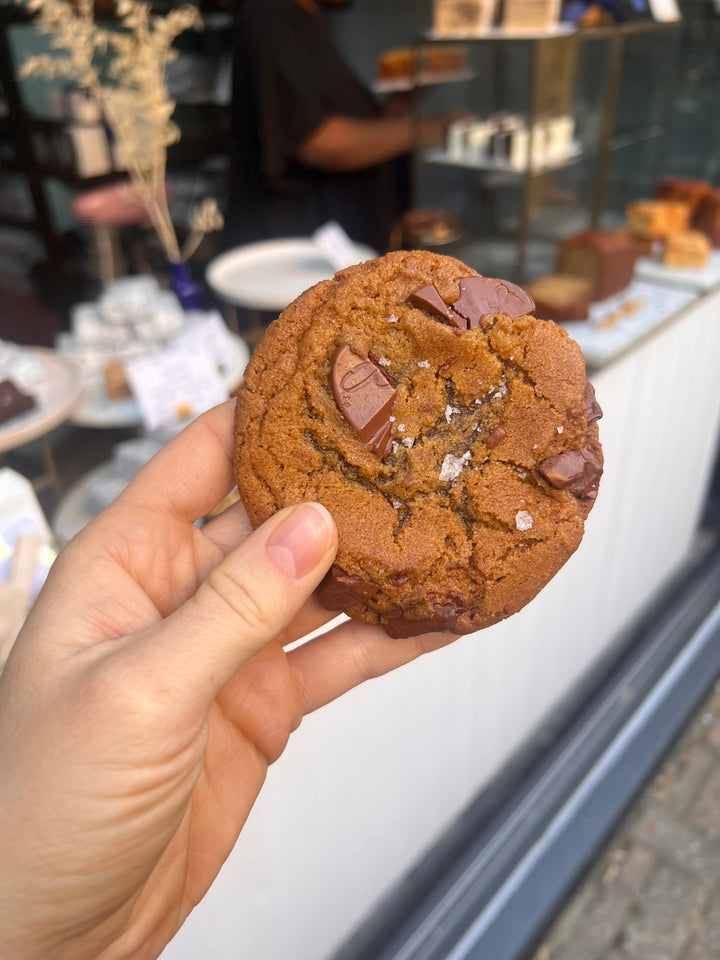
pixel 452 435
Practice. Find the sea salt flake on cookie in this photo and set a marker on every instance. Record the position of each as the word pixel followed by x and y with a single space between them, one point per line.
pixel 452 466
pixel 523 520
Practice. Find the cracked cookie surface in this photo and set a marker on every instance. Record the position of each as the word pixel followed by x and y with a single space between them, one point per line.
pixel 457 497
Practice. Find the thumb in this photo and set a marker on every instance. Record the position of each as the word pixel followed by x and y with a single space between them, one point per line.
pixel 246 600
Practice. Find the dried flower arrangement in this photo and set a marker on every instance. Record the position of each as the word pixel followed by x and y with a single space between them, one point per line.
pixel 132 92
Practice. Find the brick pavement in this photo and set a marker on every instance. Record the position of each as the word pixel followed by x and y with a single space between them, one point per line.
pixel 654 893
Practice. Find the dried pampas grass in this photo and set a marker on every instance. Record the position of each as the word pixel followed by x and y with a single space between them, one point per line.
pixel 123 69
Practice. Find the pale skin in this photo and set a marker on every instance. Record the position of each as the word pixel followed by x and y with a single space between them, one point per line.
pixel 147 695
pixel 348 144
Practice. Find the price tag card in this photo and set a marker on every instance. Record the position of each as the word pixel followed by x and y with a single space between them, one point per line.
pixel 207 331
pixel 175 384
pixel 336 245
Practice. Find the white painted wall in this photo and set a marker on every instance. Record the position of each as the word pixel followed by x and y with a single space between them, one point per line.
pixel 368 784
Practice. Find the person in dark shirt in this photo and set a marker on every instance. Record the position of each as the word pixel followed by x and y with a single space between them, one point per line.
pixel 309 143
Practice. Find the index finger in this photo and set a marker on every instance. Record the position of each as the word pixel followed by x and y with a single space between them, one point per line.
pixel 192 473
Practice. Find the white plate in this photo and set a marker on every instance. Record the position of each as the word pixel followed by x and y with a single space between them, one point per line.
pixel 96 410
pixel 271 274
pixel 56 395
pixel 648 268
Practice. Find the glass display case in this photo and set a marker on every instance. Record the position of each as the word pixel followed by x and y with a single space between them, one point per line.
pixel 586 115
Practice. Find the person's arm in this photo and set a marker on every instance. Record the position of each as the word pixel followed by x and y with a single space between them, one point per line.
pixel 155 681
pixel 345 144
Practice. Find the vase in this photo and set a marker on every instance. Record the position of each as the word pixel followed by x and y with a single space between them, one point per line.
pixel 185 288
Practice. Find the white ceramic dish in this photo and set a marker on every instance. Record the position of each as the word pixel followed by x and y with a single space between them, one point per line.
pixel 270 274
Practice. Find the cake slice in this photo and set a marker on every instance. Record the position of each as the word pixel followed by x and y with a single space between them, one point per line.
pixel 689 249
pixel 560 297
pixel 657 219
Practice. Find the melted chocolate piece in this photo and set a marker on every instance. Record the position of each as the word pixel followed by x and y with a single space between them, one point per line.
pixel 578 471
pixel 398 627
pixel 444 615
pixel 479 297
pixel 495 435
pixel 429 300
pixel 339 590
pixel 365 396
pixel 593 407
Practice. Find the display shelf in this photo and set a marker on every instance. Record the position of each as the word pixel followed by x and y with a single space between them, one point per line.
pixel 16 222
pixel 422 79
pixel 500 33
pixel 650 268
pixel 620 322
pixel 439 155
pixel 547 84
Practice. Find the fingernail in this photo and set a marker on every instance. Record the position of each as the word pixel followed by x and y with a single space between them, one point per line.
pixel 298 544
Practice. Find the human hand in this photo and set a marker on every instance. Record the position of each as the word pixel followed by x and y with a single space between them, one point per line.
pixel 147 695
pixel 432 131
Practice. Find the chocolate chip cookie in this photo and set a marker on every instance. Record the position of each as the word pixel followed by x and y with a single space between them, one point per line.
pixel 452 436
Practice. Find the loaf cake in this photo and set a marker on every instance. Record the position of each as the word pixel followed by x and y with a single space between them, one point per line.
pixel 606 258
pixel 560 297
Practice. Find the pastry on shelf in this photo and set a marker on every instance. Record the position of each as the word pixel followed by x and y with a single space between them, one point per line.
pixel 689 249
pixel 421 63
pixel 657 219
pixel 560 297
pixel 429 228
pixel 707 217
pixel 530 14
pixel 399 64
pixel 116 381
pixel 691 192
pixel 605 258
pixel 443 59
pixel 453 17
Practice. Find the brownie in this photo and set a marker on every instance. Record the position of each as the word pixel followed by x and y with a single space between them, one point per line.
pixel 604 257
pixel 561 297
pixel 13 401
pixel 451 434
